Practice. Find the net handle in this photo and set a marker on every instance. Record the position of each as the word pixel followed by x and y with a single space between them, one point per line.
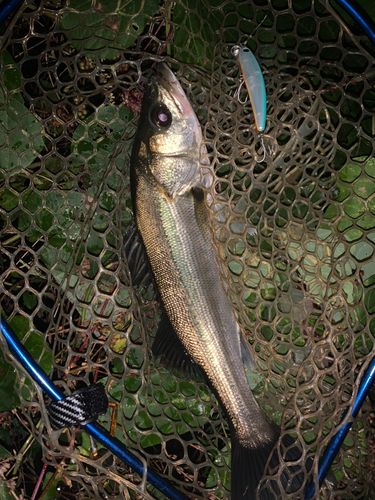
pixel 7 8
pixel 359 16
pixel 95 430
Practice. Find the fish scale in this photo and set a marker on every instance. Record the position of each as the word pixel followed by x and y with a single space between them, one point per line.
pixel 173 220
pixel 187 279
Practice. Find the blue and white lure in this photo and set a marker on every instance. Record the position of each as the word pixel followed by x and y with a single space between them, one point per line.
pixel 254 81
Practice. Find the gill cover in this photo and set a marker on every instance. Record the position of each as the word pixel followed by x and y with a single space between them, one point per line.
pixel 170 139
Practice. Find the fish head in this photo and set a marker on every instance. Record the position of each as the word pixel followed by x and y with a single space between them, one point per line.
pixel 168 140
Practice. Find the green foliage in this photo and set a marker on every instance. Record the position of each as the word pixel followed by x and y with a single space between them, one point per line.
pixel 197 29
pixel 196 32
pixel 8 396
pixel 370 301
pixel 25 142
pixel 119 22
pixel 5 491
pixel 52 491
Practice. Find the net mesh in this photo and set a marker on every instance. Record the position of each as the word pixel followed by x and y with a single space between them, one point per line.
pixel 292 218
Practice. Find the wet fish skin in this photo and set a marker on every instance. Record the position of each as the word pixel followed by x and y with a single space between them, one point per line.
pixel 172 220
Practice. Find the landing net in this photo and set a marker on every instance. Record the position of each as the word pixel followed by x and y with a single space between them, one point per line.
pixel 292 217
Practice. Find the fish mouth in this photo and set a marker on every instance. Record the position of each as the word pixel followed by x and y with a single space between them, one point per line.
pixel 168 80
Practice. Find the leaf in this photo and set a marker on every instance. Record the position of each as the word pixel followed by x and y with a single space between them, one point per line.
pixel 8 159
pixel 12 79
pixel 150 440
pixel 8 200
pixel 105 144
pixel 44 219
pixel 4 453
pixel 85 148
pixel 133 383
pixel 56 237
pixel 106 114
pixel 8 396
pixel 19 140
pixel 143 421
pixel 8 119
pixel 52 492
pixel 93 44
pixel 107 201
pixel 35 346
pixel 128 406
pixel 69 21
pixel 93 19
pixel 196 31
pixel 193 23
pixel 181 37
pixel 187 389
pixel 95 244
pixel 16 102
pixel 211 479
pixel 48 256
pixel 116 390
pixel 30 300
pixel 80 5
pixel 32 201
pixel 5 492
pixel 350 173
pixel 54 200
pixel 127 18
pixel 20 325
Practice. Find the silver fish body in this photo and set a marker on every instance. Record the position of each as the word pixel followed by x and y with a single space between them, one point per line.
pixel 173 223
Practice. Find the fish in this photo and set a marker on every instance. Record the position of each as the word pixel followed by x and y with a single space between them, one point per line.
pixel 198 327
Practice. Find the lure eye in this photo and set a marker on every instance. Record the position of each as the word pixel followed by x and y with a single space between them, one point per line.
pixel 160 116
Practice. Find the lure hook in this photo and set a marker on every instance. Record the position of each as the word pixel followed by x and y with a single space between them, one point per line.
pixel 237 93
pixel 261 138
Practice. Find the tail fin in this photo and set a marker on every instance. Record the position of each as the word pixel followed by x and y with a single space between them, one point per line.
pixel 248 466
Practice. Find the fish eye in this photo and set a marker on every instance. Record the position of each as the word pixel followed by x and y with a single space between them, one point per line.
pixel 160 116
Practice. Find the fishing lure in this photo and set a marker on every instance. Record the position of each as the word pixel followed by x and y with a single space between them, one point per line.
pixel 254 81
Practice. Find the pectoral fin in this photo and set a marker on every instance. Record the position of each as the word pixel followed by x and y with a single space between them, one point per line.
pixel 136 257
